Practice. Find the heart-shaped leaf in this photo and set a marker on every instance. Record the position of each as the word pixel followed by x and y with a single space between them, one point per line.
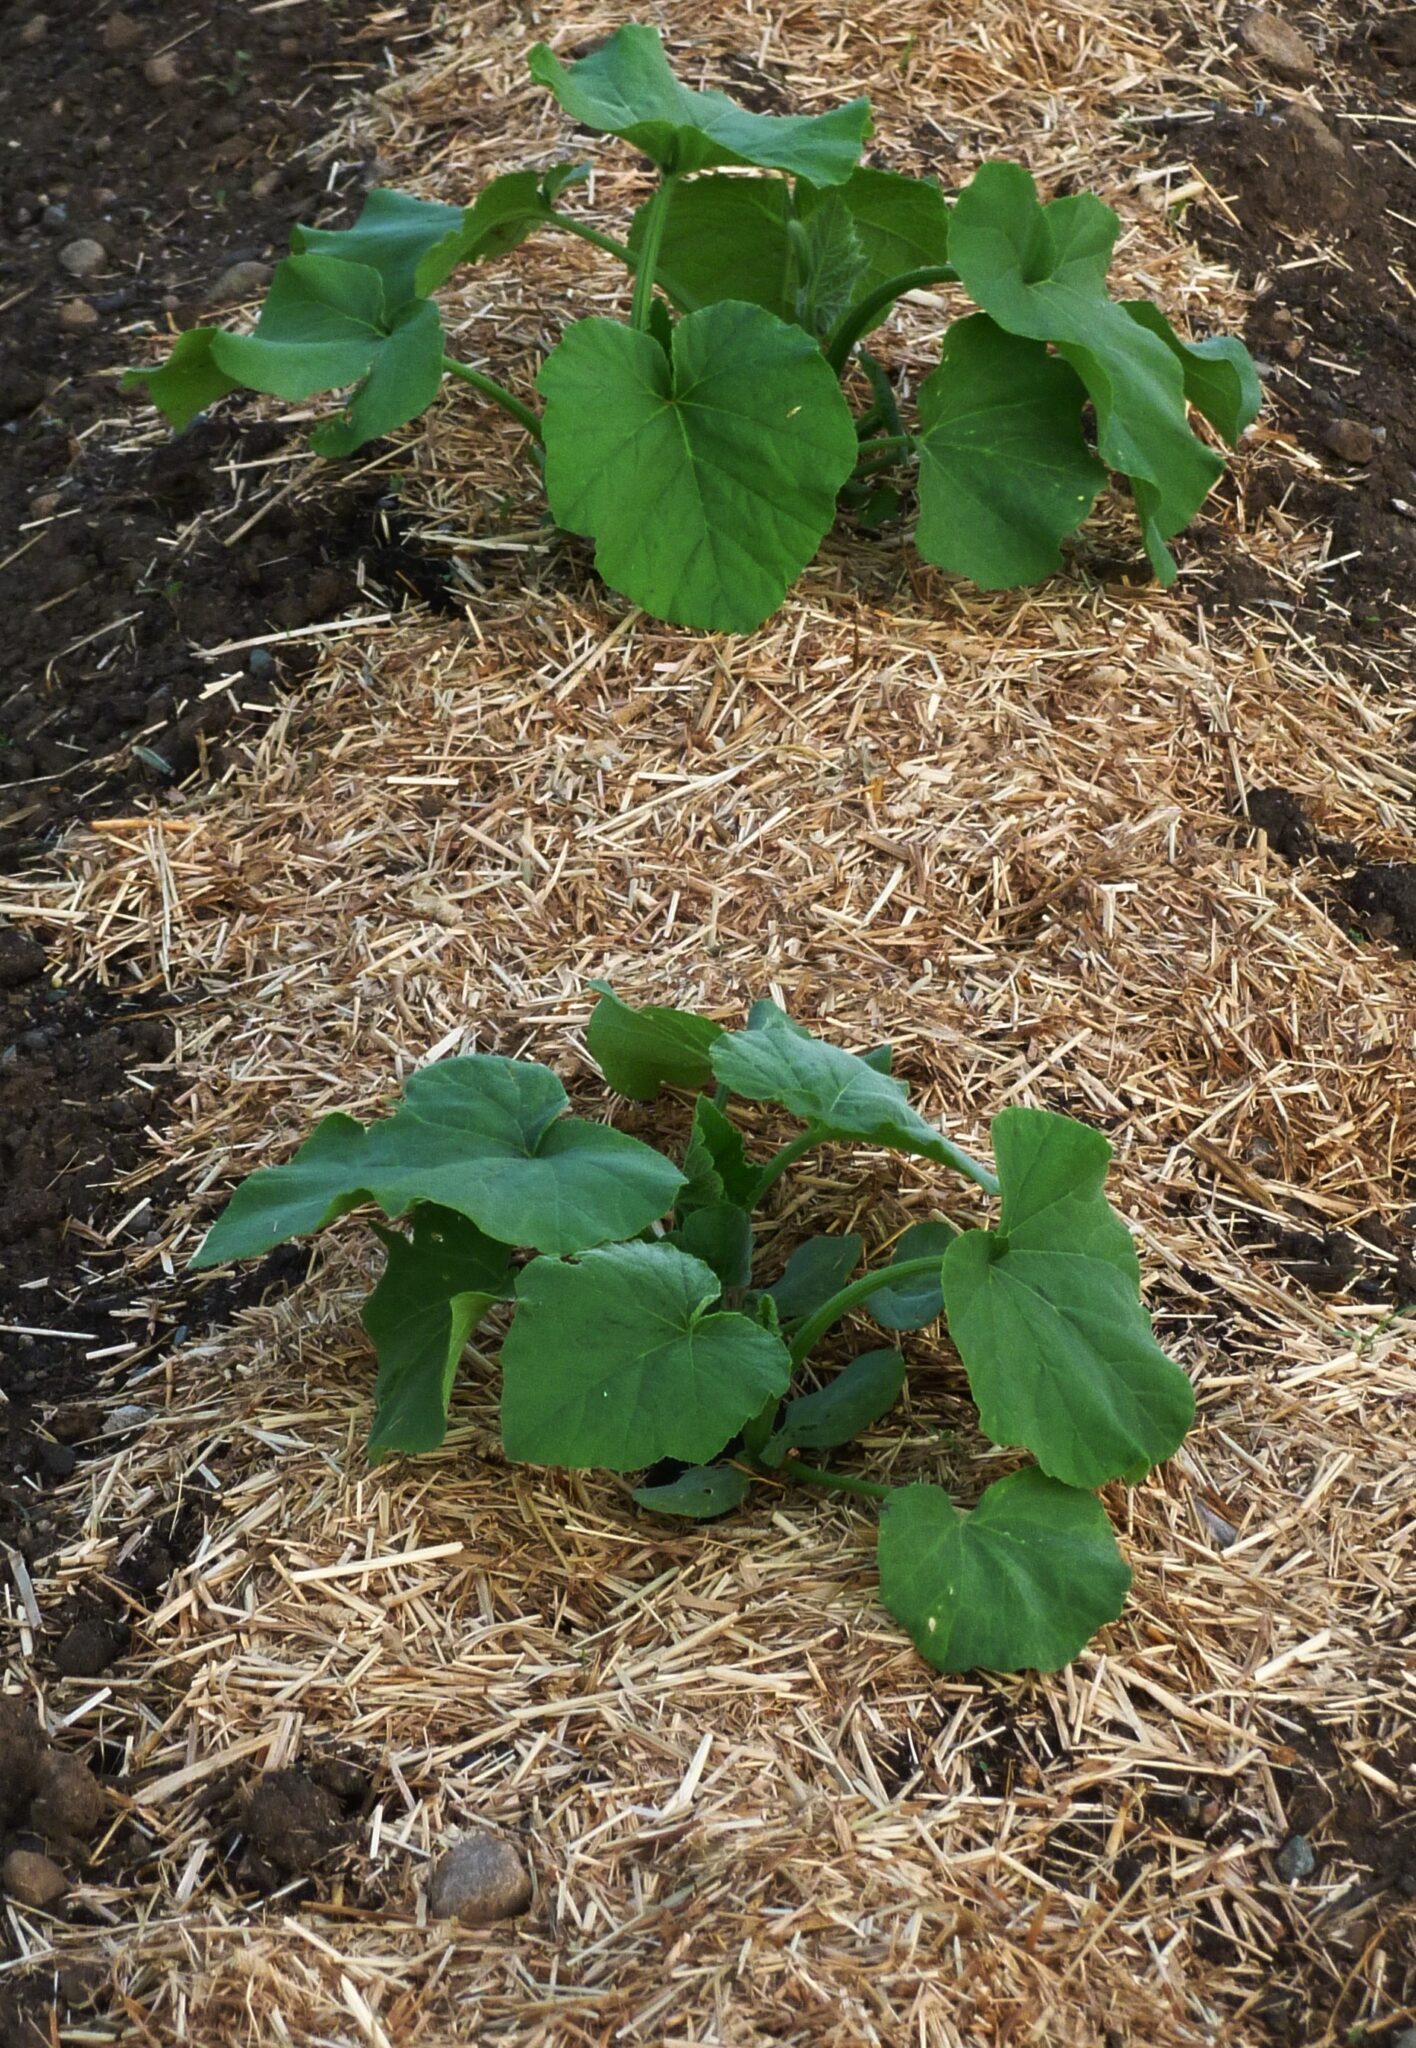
pixel 707 481
pixel 725 238
pixel 436 1287
pixel 323 326
pixel 615 1360
pixel 499 219
pixel 1020 1584
pixel 716 1166
pixel 1220 378
pixel 859 1394
pixel 911 1304
pixel 626 88
pixel 1041 271
pixel 1047 1318
pixel 815 1271
pixel 700 1493
pixel 839 1094
pixel 1004 469
pixel 484 1136
pixel 641 1051
pixel 392 235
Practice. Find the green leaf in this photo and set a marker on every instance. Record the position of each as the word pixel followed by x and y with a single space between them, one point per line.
pixel 1020 1584
pixel 911 1304
pixel 403 381
pixel 725 238
pixel 901 224
pixel 502 215
pixel 1220 378
pixel 716 1167
pixel 700 1493
pixel 436 1287
pixel 765 1015
pixel 707 482
pixel 641 1051
pixel 815 1271
pixel 485 1136
pixel 722 1237
pixel 614 1360
pixel 834 262
pixel 626 88
pixel 1047 1318
pixel 1004 469
pixel 392 235
pixel 188 382
pixel 1040 271
pixel 835 1091
pixel 859 1394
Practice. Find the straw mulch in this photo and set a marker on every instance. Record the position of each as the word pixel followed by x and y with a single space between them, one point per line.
pixel 1001 833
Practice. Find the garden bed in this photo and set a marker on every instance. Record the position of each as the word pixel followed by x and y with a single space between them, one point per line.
pixel 1006 834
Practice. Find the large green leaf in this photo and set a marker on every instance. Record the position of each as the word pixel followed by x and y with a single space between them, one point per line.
pixel 725 238
pixel 1041 272
pixel 901 224
pixel 626 88
pixel 323 326
pixel 392 235
pixel 815 1271
pixel 502 215
pixel 859 1394
pixel 838 1093
pixel 641 1051
pixel 911 1304
pixel 707 481
pixel 1004 468
pixel 615 1360
pixel 700 1493
pixel 1020 1584
pixel 1047 1318
pixel 1221 380
pixel 716 1166
pixel 485 1136
pixel 437 1285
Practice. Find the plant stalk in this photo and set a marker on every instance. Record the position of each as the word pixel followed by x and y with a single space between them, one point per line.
pixel 840 1482
pixel 779 1162
pixel 498 394
pixel 881 452
pixel 830 1312
pixel 655 221
pixel 884 392
pixel 857 320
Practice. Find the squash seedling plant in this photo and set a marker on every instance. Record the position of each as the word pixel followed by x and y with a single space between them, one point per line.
pixel 642 1332
pixel 706 443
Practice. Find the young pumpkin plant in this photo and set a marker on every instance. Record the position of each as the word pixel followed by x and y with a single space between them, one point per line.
pixel 641 1330
pixel 706 444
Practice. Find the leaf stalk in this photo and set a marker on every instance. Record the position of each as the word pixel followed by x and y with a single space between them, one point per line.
pixel 857 320
pixel 497 393
pixel 655 221
pixel 831 1312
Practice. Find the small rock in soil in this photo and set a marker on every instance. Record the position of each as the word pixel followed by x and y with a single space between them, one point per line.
pixel 70 1805
pixel 21 960
pixel 84 257
pixel 1350 440
pixel 77 314
pixel 163 71
pixel 1295 1859
pixel 56 1461
pixel 34 1880
pixel 1277 43
pixel 1315 130
pixel 479 1880
pixel 21 1755
pixel 35 29
pixel 120 32
pixel 89 1647
pixel 240 281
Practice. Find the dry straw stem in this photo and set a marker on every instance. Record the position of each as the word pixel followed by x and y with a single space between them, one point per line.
pixel 999 832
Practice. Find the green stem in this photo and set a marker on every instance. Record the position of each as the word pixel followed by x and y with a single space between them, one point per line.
pixel 830 1312
pixel 586 233
pixel 779 1162
pixel 840 1482
pixel 498 393
pixel 882 452
pixel 655 220
pixel 858 320
pixel 884 392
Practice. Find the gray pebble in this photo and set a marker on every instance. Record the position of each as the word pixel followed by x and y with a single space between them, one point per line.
pixel 83 258
pixel 240 281
pixel 54 217
pixel 1295 1860
pixel 261 662
pixel 481 1879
